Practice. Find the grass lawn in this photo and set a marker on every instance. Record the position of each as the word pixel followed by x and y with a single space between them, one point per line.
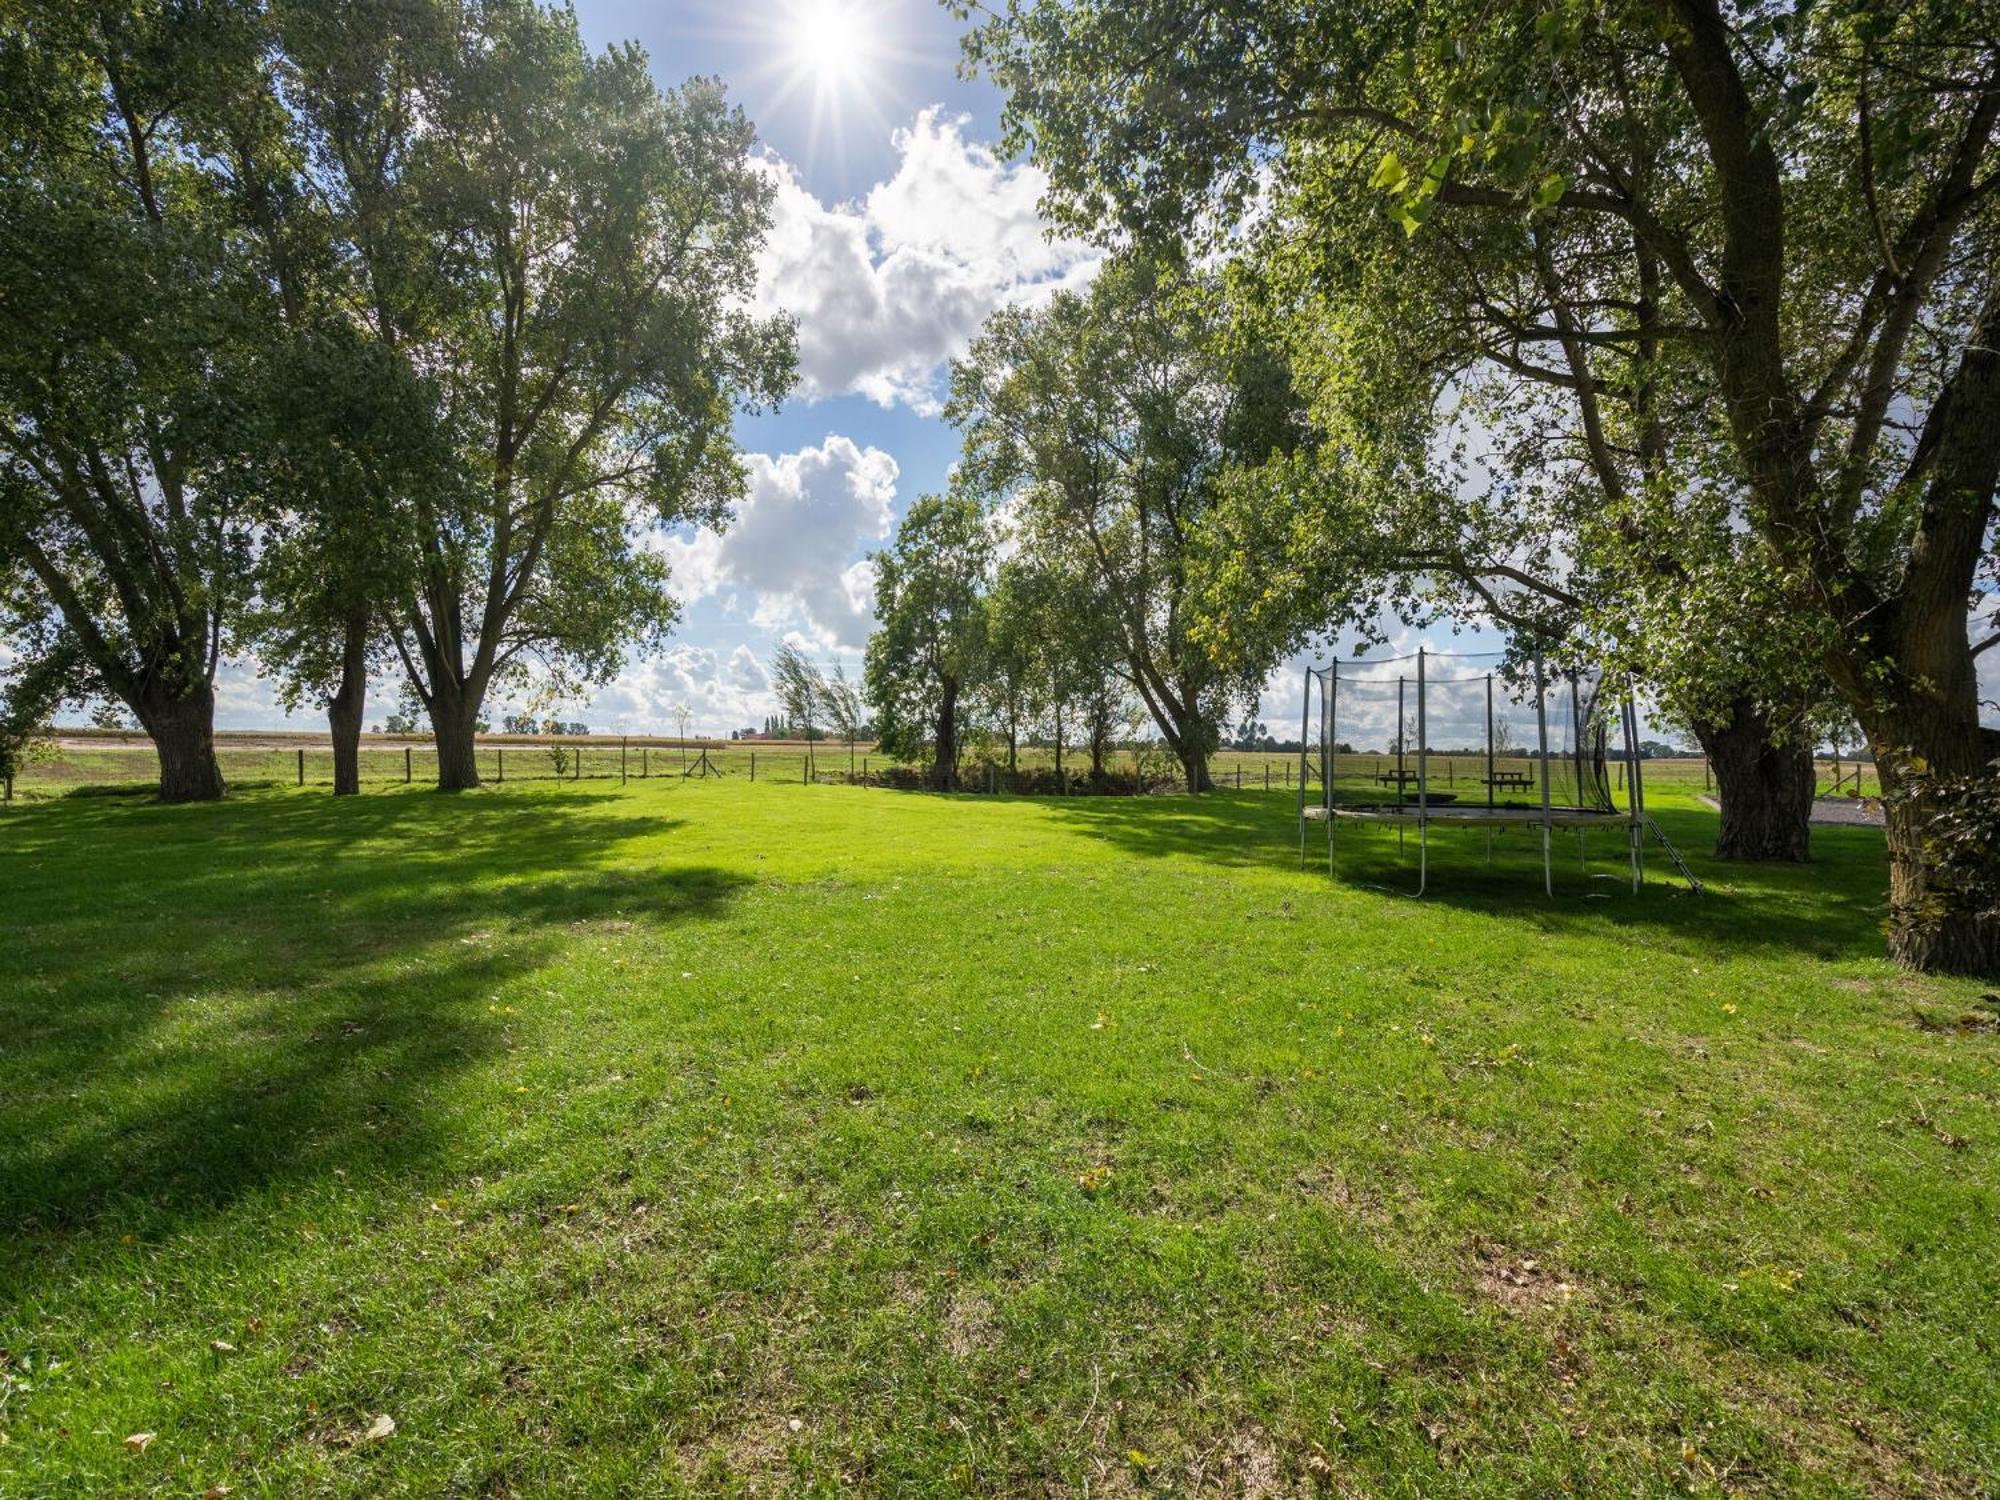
pixel 705 1138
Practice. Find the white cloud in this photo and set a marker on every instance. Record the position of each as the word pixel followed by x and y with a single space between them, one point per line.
pixel 889 288
pixel 792 544
pixel 721 692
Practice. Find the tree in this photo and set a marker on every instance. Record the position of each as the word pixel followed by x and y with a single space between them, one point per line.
pixel 845 708
pixel 569 251
pixel 352 439
pixel 1111 418
pixel 1808 201
pixel 132 311
pixel 930 644
pixel 802 691
pixel 1016 675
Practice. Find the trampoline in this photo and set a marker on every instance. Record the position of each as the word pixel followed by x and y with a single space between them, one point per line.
pixel 1487 740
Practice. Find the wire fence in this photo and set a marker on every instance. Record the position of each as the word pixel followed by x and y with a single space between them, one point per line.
pixel 130 765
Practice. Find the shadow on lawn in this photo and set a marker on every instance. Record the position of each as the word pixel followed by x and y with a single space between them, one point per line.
pixel 1829 909
pixel 202 1002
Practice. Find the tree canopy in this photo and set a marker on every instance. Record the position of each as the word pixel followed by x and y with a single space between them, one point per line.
pixel 1783 218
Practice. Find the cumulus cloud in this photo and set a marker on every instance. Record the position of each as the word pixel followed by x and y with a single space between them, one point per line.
pixel 721 692
pixel 887 289
pixel 786 559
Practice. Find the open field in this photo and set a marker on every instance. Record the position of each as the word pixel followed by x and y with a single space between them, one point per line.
pixel 263 757
pixel 707 1138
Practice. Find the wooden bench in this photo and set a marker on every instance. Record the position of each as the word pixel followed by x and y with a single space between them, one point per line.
pixel 1513 780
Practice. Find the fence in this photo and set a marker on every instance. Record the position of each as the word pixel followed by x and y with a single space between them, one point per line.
pixel 131 764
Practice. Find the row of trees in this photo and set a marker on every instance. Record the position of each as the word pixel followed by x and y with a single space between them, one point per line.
pixel 1099 430
pixel 990 641
pixel 353 335
pixel 1667 326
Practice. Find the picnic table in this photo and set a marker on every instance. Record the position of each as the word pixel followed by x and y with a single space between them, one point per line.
pixel 1396 778
pixel 1523 780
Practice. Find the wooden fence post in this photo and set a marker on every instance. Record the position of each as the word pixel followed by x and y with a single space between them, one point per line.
pixel 500 758
pixel 753 765
pixel 302 766
pixel 406 765
pixel 621 760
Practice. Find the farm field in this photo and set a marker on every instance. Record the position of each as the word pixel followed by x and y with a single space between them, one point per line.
pixel 259 758
pixel 709 1138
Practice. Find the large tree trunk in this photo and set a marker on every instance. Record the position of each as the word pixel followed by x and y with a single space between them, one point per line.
pixel 944 773
pixel 1192 739
pixel 344 709
pixel 1765 789
pixel 454 716
pixel 182 727
pixel 1941 802
pixel 1937 920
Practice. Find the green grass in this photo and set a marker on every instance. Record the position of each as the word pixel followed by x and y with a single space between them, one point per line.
pixel 702 1138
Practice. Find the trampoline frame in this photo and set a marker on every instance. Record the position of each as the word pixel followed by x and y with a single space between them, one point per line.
pixel 1422 814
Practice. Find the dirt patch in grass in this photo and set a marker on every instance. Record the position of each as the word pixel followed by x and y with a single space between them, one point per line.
pixel 1519 1283
pixel 1247 1466
pixel 968 1324
pixel 750 1447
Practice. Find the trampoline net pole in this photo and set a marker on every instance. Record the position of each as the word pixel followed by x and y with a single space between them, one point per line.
pixel 1542 738
pixel 1329 702
pixel 1423 783
pixel 1489 750
pixel 1305 728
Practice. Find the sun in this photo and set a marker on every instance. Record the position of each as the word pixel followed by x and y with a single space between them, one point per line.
pixel 830 42
pixel 836 63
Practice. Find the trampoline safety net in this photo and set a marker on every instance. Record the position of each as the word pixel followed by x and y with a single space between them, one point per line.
pixel 1471 728
pixel 1485 739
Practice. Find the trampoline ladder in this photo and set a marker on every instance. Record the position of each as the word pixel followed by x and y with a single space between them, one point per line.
pixel 1673 854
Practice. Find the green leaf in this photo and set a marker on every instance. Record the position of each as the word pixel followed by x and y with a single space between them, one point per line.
pixel 1548 192
pixel 1391 175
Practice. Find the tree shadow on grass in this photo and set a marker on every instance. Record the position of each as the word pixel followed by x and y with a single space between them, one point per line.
pixel 1831 908
pixel 201 1003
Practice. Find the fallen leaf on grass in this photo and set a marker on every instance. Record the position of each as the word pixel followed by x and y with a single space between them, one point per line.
pixel 139 1442
pixel 383 1426
pixel 1093 1179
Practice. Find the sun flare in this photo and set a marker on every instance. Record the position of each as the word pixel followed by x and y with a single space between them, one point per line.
pixel 829 42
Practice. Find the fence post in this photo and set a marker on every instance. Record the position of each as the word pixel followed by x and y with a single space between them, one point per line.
pixel 302 766
pixel 753 765
pixel 406 765
pixel 579 764
pixel 10 786
pixel 864 770
pixel 621 760
pixel 644 763
pixel 500 759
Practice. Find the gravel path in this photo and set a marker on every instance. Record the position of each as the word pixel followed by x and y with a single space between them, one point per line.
pixel 1844 812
